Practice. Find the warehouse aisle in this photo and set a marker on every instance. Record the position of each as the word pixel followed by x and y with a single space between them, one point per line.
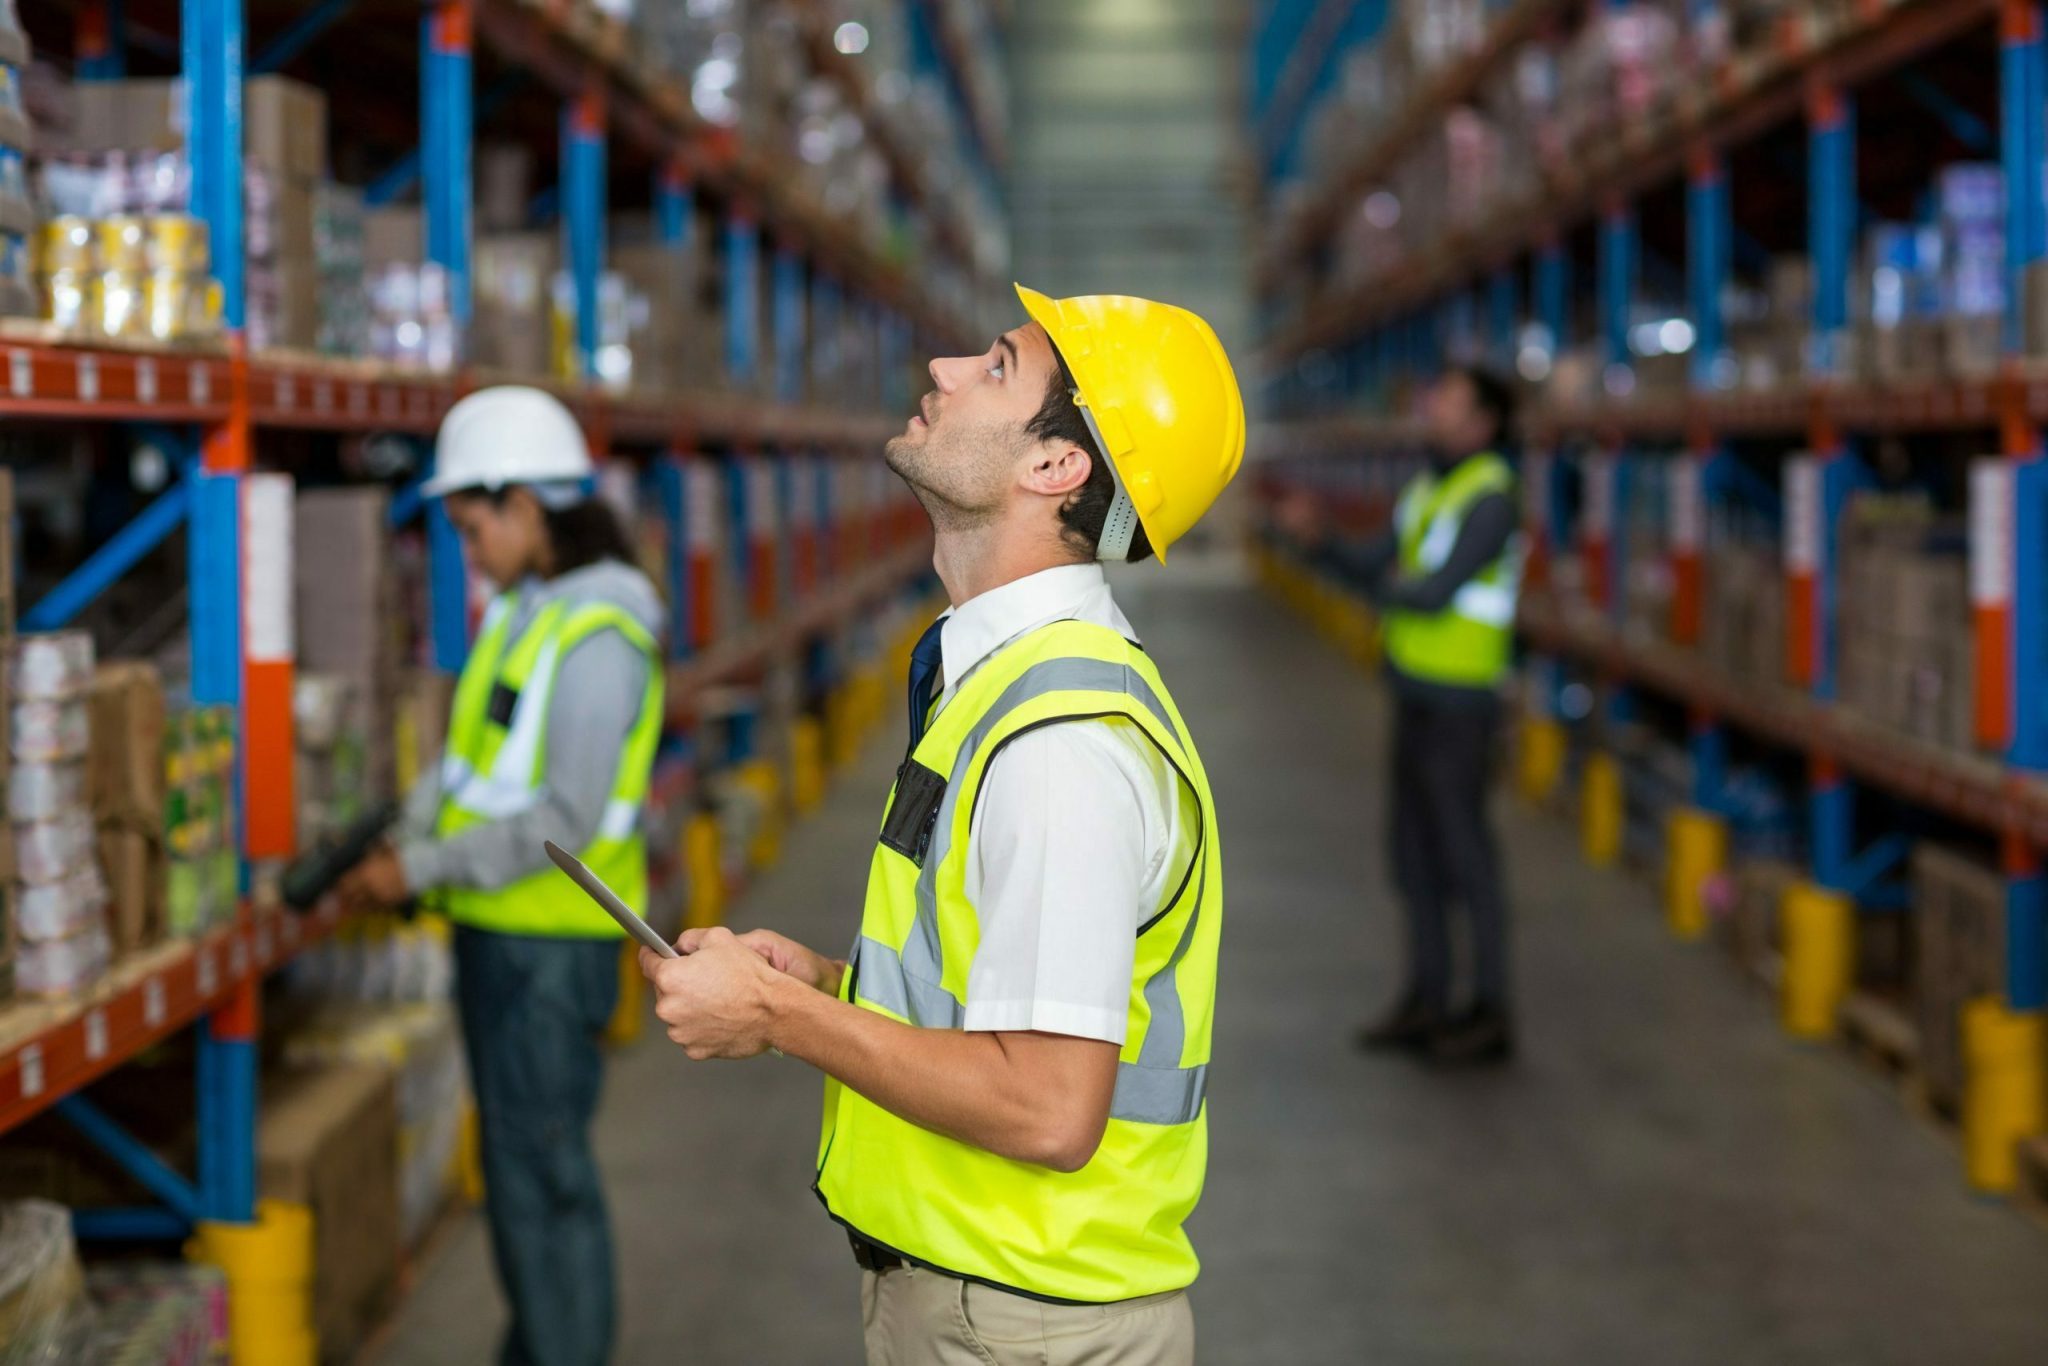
pixel 1662 1177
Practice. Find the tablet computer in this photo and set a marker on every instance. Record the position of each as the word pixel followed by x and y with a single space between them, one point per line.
pixel 604 896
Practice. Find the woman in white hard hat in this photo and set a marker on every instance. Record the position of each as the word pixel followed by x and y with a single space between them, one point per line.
pixel 551 737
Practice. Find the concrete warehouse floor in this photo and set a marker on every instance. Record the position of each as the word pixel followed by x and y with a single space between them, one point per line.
pixel 1661 1178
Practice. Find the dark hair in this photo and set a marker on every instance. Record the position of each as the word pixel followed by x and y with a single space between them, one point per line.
pixel 1495 396
pixel 1082 515
pixel 579 535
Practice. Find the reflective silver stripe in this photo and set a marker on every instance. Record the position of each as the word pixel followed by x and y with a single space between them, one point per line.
pixel 1158 1095
pixel 883 981
pixel 620 820
pixel 922 955
pixel 1437 543
pixel 454 773
pixel 1489 604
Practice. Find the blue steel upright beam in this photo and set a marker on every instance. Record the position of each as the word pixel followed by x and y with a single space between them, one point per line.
pixel 116 556
pixel 790 341
pixel 1708 264
pixel 447 110
pixel 211 47
pixel 742 297
pixel 1552 291
pixel 1503 318
pixel 102 40
pixel 1617 281
pixel 1831 218
pixel 583 192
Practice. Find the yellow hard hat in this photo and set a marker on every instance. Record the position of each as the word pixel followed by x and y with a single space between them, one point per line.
pixel 1162 401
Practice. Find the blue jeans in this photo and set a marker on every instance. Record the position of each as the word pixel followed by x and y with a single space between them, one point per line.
pixel 533 1018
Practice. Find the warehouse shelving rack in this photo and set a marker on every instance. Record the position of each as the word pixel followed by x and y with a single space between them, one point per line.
pixel 1395 327
pixel 210 409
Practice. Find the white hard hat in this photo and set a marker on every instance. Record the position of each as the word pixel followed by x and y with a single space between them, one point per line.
pixel 507 434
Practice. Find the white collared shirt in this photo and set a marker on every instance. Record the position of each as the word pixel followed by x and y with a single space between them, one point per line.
pixel 1081 833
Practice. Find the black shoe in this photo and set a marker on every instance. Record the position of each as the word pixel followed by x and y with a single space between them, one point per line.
pixel 1480 1037
pixel 1410 1025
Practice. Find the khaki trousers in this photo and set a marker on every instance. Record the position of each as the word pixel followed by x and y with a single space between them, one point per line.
pixel 915 1317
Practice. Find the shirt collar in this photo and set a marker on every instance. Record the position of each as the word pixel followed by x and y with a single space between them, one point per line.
pixel 980 626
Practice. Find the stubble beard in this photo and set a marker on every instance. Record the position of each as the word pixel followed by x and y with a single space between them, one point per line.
pixel 950 499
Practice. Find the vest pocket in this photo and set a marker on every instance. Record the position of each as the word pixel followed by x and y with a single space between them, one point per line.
pixel 914 811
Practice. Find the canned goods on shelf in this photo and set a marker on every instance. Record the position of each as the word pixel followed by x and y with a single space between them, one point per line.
pixel 178 242
pixel 51 664
pixel 13 172
pixel 40 791
pixel 62 908
pixel 51 730
pixel 17 266
pixel 52 850
pixel 69 301
pixel 123 243
pixel 121 312
pixel 67 244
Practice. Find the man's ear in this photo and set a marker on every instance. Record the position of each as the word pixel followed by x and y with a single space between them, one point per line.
pixel 1057 468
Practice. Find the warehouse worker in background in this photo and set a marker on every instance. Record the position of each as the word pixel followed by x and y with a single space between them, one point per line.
pixel 1017 1050
pixel 1445 578
pixel 552 736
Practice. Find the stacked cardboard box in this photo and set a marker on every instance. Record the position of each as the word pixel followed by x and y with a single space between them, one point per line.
pixel 513 328
pixel 60 894
pixel 126 785
pixel 1903 629
pixel 1743 630
pixel 1958 953
pixel 411 321
pixel 285 132
pixel 338 228
pixel 328 1139
pixel 350 609
pixel 660 277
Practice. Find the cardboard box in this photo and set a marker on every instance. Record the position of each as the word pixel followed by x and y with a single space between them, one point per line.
pixel 514 274
pixel 1958 953
pixel 394 237
pixel 284 127
pixel 347 601
pixel 284 123
pixel 328 1139
pixel 125 780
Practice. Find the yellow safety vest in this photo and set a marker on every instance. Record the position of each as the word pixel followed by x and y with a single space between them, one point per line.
pixel 496 762
pixel 1112 1230
pixel 1471 641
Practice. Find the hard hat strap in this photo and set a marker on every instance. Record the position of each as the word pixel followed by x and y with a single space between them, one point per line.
pixel 1120 523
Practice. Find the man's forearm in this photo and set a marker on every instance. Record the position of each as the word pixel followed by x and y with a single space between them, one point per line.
pixel 959 1084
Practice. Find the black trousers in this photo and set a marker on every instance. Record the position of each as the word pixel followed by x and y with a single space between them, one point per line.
pixel 1444 852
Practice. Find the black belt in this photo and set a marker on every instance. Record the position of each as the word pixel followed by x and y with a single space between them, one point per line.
pixel 872 1256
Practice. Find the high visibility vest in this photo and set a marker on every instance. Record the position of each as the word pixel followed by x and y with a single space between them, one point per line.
pixel 496 762
pixel 1471 641
pixel 1112 1230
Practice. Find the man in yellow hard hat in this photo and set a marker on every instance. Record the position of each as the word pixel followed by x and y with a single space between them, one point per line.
pixel 1017 1048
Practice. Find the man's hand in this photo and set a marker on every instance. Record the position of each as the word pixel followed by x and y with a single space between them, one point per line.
pixel 377 882
pixel 783 954
pixel 717 1000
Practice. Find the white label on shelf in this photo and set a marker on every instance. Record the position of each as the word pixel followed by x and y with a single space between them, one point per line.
pixel 145 379
pixel 323 397
pixel 238 959
pixel 88 377
pixel 21 373
pixel 1992 495
pixel 1802 515
pixel 208 973
pixel 266 942
pixel 1597 497
pixel 761 500
pixel 267 567
pixel 199 382
pixel 31 1056
pixel 154 1009
pixel 803 493
pixel 1535 488
pixel 282 391
pixel 95 1035
pixel 703 492
pixel 1688 507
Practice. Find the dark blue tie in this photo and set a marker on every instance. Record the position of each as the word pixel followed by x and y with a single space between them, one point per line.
pixel 924 673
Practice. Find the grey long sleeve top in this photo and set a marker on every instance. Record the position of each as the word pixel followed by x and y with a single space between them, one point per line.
pixel 598 689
